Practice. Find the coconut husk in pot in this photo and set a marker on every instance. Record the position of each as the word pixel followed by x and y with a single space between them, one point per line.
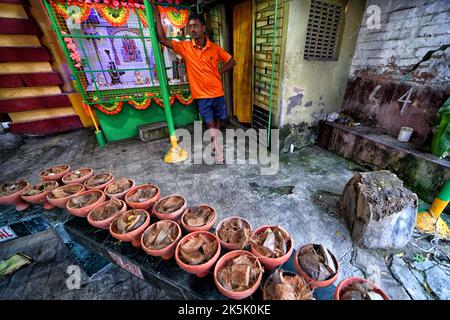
pixel 110 208
pixel 360 291
pixel 119 186
pixel 170 204
pixel 65 191
pixel 235 231
pixel 54 171
pixel 143 194
pixel 198 216
pixel 272 242
pixel 10 188
pixel 130 221
pixel 198 249
pixel 84 200
pixel 41 187
pixel 98 179
pixel 287 286
pixel 317 262
pixel 77 174
pixel 240 273
pixel 160 235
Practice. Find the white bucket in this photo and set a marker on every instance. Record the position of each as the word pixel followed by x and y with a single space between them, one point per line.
pixel 405 134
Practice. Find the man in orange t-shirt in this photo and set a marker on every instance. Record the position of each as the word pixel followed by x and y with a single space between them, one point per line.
pixel 202 56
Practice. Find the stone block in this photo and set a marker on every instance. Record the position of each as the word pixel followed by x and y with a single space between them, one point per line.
pixel 153 131
pixel 379 211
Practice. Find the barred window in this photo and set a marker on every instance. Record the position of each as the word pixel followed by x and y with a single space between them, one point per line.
pixel 324 31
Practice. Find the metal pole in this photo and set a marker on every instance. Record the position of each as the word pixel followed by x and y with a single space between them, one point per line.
pixel 175 154
pixel 269 125
pixel 160 67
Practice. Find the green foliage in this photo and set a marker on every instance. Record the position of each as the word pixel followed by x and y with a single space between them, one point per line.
pixel 441 139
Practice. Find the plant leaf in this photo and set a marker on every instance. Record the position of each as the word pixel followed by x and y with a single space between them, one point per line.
pixel 441 139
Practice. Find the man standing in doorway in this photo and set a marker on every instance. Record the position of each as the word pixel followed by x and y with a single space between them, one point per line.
pixel 201 57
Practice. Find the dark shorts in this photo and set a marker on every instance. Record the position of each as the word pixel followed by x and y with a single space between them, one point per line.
pixel 212 109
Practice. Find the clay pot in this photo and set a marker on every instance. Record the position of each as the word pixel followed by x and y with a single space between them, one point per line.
pixel 340 289
pixel 305 294
pixel 102 186
pixel 170 216
pixel 120 195
pixel 133 236
pixel 200 270
pixel 104 224
pixel 271 263
pixel 167 252
pixel 205 227
pixel 84 211
pixel 61 202
pixel 41 198
pixel 86 174
pixel 312 282
pixel 145 205
pixel 15 199
pixel 236 295
pixel 55 177
pixel 227 245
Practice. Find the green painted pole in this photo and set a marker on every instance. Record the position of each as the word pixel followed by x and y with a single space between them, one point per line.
pixel 160 68
pixel 269 125
pixel 444 195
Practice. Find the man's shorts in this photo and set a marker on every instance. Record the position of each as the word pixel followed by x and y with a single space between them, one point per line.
pixel 212 109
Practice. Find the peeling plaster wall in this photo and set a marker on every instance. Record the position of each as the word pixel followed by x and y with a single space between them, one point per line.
pixel 312 89
pixel 408 30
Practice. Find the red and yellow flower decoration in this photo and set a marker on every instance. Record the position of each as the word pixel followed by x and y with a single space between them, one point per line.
pixel 141 105
pixel 177 17
pixel 116 17
pixel 113 109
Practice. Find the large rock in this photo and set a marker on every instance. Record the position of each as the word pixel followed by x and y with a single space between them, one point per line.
pixel 379 211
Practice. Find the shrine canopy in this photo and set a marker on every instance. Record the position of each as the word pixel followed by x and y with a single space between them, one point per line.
pixel 109 50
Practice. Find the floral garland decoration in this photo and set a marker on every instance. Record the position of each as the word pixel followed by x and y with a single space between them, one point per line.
pixel 185 97
pixel 83 14
pixel 144 104
pixel 142 16
pixel 160 102
pixel 74 55
pixel 177 17
pixel 115 108
pixel 115 16
pixel 60 8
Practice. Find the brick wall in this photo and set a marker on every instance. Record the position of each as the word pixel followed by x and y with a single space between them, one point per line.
pixel 408 30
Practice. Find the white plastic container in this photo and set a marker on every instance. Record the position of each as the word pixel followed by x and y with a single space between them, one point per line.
pixel 405 134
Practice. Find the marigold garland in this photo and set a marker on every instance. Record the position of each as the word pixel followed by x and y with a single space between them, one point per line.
pixel 116 17
pixel 185 98
pixel 142 16
pixel 144 104
pixel 85 12
pixel 160 102
pixel 60 8
pixel 177 17
pixel 115 108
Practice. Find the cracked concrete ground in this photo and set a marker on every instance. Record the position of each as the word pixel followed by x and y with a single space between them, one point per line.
pixel 308 210
pixel 47 277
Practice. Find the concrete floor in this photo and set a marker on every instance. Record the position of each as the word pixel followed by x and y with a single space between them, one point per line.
pixel 309 213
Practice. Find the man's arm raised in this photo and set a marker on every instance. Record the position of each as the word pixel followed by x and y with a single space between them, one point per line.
pixel 159 29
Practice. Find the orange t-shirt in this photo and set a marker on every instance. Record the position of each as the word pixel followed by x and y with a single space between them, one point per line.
pixel 201 67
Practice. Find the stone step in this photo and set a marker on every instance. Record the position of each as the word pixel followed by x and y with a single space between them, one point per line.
pixel 153 131
pixel 371 148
